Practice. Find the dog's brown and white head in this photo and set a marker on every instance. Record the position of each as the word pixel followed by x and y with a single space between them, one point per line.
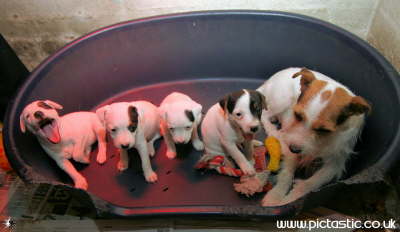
pixel 324 112
pixel 41 118
pixel 243 108
pixel 121 121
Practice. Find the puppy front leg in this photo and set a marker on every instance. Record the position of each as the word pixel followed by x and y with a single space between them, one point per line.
pixel 322 176
pixel 141 146
pixel 239 158
pixel 79 180
pixel 284 181
pixel 123 162
pixel 197 143
pixel 171 149
pixel 102 145
pixel 150 144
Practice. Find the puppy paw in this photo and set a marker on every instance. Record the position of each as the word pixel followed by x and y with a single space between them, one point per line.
pixel 101 158
pixel 151 177
pixel 300 189
pixel 257 143
pixel 198 145
pixel 272 199
pixel 171 154
pixel 247 169
pixel 122 166
pixel 81 183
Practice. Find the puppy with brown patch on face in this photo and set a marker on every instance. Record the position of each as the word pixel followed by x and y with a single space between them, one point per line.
pixel 180 118
pixel 314 117
pixel 66 137
pixel 133 124
pixel 232 124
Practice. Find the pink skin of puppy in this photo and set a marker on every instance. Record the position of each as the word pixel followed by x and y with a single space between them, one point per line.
pixel 65 137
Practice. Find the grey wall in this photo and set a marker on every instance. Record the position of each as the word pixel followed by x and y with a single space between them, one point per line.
pixel 36 28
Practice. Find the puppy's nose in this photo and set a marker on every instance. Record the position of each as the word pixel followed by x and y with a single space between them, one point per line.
pixel 38 114
pixel 124 146
pixel 295 149
pixel 254 129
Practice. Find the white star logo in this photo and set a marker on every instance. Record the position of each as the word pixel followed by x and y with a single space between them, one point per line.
pixel 8 222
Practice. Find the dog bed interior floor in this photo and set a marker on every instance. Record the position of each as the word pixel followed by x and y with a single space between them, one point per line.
pixel 43 207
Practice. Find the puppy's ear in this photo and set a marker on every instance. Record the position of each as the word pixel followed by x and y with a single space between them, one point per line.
pixel 163 112
pixel 53 104
pixel 189 115
pixel 307 77
pixel 133 115
pixel 223 102
pixel 22 123
pixel 101 113
pixel 227 103
pixel 357 106
pixel 262 100
pixel 197 112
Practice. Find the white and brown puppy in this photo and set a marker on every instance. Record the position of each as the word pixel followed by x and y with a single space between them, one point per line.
pixel 314 117
pixel 233 123
pixel 180 118
pixel 133 124
pixel 69 136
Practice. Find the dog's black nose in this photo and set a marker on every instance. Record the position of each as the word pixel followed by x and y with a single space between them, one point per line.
pixel 254 129
pixel 295 149
pixel 124 146
pixel 38 114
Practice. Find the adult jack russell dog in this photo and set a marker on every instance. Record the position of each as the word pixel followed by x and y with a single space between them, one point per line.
pixel 313 116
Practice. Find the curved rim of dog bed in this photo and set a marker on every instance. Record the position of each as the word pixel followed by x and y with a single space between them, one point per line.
pixel 385 162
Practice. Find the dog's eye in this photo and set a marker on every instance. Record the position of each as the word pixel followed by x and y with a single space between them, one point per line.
pixel 298 116
pixel 171 128
pixel 238 114
pixel 322 131
pixel 113 130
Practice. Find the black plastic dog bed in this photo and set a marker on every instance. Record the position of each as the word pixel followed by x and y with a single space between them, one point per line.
pixel 205 55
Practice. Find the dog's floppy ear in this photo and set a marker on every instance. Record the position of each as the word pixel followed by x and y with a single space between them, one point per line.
pixel 307 77
pixel 260 98
pixel 163 112
pixel 227 104
pixel 101 113
pixel 197 112
pixel 22 123
pixel 357 106
pixel 229 101
pixel 133 117
pixel 257 103
pixel 53 104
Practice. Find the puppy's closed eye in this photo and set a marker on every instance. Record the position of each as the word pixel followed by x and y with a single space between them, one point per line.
pixel 322 131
